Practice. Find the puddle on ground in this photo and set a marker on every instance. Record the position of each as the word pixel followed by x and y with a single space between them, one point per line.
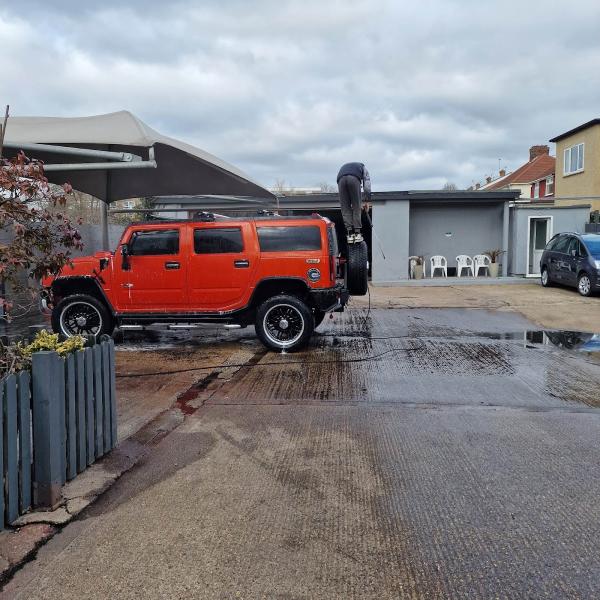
pixel 568 340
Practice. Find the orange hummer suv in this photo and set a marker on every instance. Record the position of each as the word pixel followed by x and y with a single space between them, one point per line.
pixel 277 273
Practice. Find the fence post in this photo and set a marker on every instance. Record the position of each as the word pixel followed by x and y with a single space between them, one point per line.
pixel 47 431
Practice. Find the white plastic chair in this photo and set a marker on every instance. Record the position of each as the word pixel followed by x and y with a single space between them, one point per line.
pixel 438 262
pixel 481 261
pixel 463 262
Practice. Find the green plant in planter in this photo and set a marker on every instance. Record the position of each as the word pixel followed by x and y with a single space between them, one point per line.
pixel 494 254
pixel 17 357
pixel 50 342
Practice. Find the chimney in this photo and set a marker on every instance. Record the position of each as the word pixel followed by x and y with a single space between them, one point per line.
pixel 477 186
pixel 536 151
pixel 488 179
pixel 502 172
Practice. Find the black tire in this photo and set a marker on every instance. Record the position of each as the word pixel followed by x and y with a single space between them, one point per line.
pixel 319 315
pixel 545 278
pixel 357 269
pixel 584 284
pixel 69 313
pixel 284 323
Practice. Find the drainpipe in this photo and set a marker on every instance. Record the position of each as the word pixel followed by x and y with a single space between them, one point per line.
pixel 505 220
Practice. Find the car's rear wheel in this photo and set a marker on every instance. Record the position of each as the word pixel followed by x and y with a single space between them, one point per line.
pixel 545 277
pixel 584 284
pixel 81 314
pixel 284 323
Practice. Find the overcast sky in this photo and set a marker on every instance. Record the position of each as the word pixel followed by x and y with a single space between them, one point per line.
pixel 423 92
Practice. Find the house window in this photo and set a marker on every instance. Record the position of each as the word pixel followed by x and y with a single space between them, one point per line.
pixel 536 189
pixel 549 185
pixel 574 159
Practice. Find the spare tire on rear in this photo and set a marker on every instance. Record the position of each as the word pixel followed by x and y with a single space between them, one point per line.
pixel 357 269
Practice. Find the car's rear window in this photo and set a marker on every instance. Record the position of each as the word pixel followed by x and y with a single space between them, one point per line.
pixel 285 239
pixel 562 244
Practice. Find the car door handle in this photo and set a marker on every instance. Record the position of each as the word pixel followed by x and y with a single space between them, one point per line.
pixel 171 265
pixel 241 264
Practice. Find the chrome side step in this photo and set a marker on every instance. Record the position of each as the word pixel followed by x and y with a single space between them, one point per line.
pixel 177 326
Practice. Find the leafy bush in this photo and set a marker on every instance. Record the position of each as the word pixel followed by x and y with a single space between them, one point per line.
pixel 17 356
pixel 41 237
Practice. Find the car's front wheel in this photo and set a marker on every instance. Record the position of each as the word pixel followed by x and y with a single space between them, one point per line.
pixel 584 284
pixel 81 314
pixel 545 277
pixel 284 323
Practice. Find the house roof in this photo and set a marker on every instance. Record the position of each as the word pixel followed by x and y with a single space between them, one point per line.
pixel 575 130
pixel 538 168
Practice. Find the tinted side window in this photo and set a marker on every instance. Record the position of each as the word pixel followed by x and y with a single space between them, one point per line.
pixel 573 245
pixel 218 241
pixel 552 243
pixel 582 250
pixel 282 239
pixel 152 243
pixel 562 244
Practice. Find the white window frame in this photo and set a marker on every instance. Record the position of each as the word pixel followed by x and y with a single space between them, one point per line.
pixel 549 181
pixel 549 234
pixel 580 148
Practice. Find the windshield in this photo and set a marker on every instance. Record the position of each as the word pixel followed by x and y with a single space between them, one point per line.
pixel 593 246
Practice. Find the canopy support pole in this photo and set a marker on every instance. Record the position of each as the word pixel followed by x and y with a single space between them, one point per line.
pixel 104 225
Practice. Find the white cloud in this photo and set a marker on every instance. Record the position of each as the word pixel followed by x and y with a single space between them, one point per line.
pixel 422 92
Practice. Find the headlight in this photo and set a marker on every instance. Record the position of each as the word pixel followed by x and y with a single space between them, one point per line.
pixel 597 264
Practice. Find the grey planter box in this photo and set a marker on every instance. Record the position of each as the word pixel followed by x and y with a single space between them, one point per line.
pixel 55 423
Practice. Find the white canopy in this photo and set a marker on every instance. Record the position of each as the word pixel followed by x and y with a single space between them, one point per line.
pixel 181 169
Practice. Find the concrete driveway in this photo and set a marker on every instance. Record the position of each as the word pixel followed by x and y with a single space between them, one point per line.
pixel 424 453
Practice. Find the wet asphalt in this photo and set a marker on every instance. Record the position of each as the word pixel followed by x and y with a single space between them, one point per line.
pixel 405 454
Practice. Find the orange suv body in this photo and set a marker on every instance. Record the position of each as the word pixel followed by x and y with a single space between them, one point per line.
pixel 216 270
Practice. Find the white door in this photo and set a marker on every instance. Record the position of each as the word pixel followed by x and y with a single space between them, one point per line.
pixel 539 234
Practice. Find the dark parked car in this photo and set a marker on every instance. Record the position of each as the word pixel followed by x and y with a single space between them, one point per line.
pixel 573 259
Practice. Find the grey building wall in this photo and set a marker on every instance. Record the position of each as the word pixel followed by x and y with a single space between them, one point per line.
pixel 391 230
pixel 92 238
pixel 473 230
pixel 568 218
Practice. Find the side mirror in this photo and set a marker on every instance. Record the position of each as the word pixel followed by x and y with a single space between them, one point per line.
pixel 125 264
pixel 574 253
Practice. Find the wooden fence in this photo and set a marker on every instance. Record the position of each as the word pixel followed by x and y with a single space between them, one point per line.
pixel 55 422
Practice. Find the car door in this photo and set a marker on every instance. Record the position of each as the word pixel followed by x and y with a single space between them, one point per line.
pixel 570 262
pixel 154 277
pixel 220 266
pixel 557 257
pixel 581 260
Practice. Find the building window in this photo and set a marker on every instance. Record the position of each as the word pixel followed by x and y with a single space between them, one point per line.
pixel 536 189
pixel 574 159
pixel 549 185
